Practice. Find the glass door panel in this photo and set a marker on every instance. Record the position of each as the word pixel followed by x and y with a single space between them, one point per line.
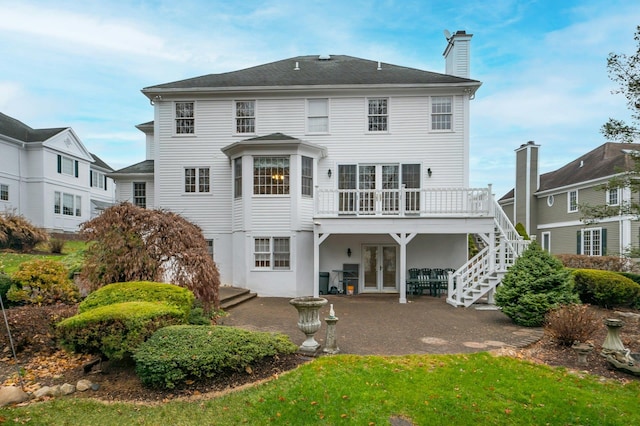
pixel 389 267
pixel 367 186
pixel 390 186
pixel 370 262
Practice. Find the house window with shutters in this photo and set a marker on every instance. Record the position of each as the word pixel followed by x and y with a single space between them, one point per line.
pixel 592 241
pixel 98 180
pixel 68 166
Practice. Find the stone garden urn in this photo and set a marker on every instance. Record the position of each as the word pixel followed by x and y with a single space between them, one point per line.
pixel 309 319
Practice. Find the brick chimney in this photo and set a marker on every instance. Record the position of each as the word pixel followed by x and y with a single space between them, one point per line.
pixel 457 54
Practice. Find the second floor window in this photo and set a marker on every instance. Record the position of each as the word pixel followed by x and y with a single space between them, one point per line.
pixel 140 194
pixel 572 201
pixel 441 113
pixel 68 166
pixel 271 175
pixel 98 180
pixel 4 192
pixel 185 118
pixel 613 197
pixel 318 115
pixel 245 116
pixel 378 115
pixel 196 179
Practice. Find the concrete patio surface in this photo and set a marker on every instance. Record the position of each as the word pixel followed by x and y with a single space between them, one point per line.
pixel 376 324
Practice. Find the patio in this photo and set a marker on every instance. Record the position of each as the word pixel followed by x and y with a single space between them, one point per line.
pixel 375 324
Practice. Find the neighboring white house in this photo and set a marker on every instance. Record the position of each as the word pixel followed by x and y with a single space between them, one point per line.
pixel 315 165
pixel 49 177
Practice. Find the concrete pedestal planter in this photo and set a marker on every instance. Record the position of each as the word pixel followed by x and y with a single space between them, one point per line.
pixel 309 320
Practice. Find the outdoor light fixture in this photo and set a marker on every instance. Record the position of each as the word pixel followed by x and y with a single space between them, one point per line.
pixel 429 172
pixel 329 173
pixel 349 252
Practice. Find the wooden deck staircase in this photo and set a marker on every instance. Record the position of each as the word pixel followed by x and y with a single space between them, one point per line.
pixel 478 278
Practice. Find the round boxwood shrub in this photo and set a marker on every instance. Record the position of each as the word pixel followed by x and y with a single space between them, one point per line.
pixel 178 353
pixel 536 283
pixel 116 330
pixel 139 291
pixel 605 288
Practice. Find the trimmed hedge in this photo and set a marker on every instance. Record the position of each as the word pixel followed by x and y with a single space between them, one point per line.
pixel 605 288
pixel 140 291
pixel 178 353
pixel 116 330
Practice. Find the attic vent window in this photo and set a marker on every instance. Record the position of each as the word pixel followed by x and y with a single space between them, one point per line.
pixel 379 66
pixel 581 163
pixel 297 67
pixel 324 57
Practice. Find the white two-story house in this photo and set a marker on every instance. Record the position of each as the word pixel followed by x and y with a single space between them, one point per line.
pixel 49 177
pixel 325 168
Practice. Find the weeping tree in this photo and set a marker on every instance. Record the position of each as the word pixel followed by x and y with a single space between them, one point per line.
pixel 129 243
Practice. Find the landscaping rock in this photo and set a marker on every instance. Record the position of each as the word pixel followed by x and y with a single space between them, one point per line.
pixel 12 395
pixel 83 385
pixel 42 392
pixel 67 389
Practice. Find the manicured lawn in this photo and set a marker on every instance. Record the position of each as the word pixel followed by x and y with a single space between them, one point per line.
pixel 9 262
pixel 471 389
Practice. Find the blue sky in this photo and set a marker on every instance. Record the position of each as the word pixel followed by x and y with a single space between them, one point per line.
pixel 82 64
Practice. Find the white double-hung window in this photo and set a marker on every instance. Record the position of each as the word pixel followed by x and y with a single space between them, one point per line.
pixel 441 112
pixel 245 116
pixel 318 115
pixel 185 118
pixel 378 114
pixel 197 179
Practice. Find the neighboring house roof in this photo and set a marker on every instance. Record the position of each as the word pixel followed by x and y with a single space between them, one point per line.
pixel 606 160
pixel 99 163
pixel 312 70
pixel 143 167
pixel 16 129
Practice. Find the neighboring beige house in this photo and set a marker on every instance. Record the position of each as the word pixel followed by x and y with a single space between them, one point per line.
pixel 301 169
pixel 49 177
pixel 548 205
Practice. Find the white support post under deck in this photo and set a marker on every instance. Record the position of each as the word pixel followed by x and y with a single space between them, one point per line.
pixel 403 239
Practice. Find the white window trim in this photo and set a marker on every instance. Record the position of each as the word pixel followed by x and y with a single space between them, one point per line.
pixel 195 119
pixel 366 116
pixel 550 200
pixel 569 201
pixel 590 231
pixel 607 196
pixel 543 235
pixel 133 193
pixel 253 175
pixel 431 129
pixel 197 177
pixel 308 116
pixel 271 267
pixel 76 208
pixel 5 188
pixel 235 117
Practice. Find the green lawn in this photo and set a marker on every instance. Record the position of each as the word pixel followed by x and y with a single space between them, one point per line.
pixel 474 389
pixel 9 262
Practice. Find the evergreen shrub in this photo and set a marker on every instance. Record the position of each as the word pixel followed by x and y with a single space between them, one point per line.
pixel 140 291
pixel 116 330
pixel 179 353
pixel 536 283
pixel 605 288
pixel 42 282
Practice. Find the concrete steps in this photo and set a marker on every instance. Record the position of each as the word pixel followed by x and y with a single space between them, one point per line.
pixel 233 296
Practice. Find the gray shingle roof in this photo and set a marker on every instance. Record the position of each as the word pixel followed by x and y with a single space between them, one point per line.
pixel 99 163
pixel 608 159
pixel 339 70
pixel 142 167
pixel 18 130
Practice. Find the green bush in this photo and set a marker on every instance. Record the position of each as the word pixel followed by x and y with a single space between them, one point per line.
pixel 632 276
pixel 605 288
pixel 116 330
pixel 522 231
pixel 178 353
pixel 140 291
pixel 535 284
pixel 5 285
pixel 42 282
pixel 569 324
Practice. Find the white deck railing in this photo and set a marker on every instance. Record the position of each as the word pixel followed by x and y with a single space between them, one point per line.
pixel 404 202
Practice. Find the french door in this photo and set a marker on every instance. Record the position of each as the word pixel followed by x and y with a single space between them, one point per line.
pixel 377 188
pixel 379 268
